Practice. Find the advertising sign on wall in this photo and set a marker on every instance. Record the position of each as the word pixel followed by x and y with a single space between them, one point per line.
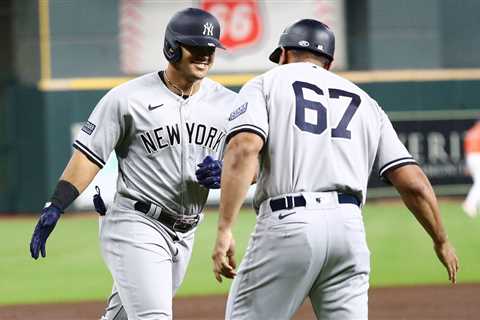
pixel 435 140
pixel 250 30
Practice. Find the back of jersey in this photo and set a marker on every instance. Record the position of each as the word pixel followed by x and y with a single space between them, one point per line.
pixel 321 131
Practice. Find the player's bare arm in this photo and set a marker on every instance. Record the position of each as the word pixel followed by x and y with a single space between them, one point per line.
pixel 239 169
pixel 417 193
pixel 80 171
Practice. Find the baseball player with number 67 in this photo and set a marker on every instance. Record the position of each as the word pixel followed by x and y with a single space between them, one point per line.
pixel 317 136
pixel 160 125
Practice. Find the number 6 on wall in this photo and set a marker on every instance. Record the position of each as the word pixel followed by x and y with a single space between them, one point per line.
pixel 318 128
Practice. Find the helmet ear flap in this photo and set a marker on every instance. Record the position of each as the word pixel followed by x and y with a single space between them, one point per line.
pixel 172 51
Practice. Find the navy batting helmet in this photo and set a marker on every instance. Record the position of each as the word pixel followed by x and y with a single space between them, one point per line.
pixel 306 34
pixel 192 26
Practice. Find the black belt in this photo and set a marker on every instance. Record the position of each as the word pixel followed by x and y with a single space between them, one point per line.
pixel 290 202
pixel 180 225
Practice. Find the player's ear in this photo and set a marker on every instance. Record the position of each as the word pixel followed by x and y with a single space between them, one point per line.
pixel 283 56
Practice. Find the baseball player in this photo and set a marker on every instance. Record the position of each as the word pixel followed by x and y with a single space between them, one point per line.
pixel 316 136
pixel 160 125
pixel 472 156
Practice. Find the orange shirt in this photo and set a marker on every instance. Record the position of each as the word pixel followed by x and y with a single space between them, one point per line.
pixel 471 142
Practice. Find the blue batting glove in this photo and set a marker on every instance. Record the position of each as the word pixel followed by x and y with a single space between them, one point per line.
pixel 98 202
pixel 209 173
pixel 46 223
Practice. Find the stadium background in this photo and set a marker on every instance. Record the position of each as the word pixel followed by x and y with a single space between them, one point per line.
pixel 418 59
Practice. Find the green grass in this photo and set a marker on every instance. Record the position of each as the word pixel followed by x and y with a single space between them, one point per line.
pixel 402 254
pixel 73 269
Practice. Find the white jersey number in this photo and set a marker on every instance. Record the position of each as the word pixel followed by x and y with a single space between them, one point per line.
pixel 321 124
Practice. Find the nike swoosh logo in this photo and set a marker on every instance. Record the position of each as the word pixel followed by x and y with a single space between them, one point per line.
pixel 154 107
pixel 284 215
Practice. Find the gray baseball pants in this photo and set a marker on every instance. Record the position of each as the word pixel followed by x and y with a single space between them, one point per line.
pixel 146 263
pixel 317 251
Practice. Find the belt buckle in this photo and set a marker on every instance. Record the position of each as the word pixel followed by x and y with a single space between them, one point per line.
pixel 289 203
pixel 179 226
pixel 184 226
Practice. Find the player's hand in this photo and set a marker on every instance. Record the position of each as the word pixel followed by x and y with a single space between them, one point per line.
pixel 46 223
pixel 446 254
pixel 209 173
pixel 224 256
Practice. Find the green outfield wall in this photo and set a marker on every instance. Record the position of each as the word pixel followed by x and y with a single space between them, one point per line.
pixel 39 128
pixel 49 44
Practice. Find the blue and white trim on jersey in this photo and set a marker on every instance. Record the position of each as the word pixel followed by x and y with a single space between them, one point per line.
pixel 247 128
pixel 89 154
pixel 396 164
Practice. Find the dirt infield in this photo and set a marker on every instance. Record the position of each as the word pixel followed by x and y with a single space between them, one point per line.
pixel 460 302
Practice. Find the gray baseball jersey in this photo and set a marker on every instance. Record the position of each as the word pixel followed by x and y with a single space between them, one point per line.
pixel 322 135
pixel 327 130
pixel 159 138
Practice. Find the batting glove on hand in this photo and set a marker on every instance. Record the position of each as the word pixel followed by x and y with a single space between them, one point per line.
pixel 209 173
pixel 46 223
pixel 98 202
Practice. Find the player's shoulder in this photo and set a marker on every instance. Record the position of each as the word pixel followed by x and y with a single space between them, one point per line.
pixel 340 82
pixel 119 96
pixel 332 80
pixel 347 84
pixel 302 71
pixel 135 85
pixel 292 69
pixel 217 89
pixel 277 71
pixel 310 72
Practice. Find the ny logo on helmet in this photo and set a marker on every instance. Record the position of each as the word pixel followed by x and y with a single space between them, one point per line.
pixel 208 29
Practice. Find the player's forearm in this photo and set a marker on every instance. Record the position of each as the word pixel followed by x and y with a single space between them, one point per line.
pixel 426 210
pixel 79 171
pixel 236 179
pixel 418 195
pixel 239 168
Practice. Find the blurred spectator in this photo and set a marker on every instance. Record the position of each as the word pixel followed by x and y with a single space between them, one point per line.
pixel 472 155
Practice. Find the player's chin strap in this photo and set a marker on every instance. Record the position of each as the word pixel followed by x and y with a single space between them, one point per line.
pixel 98 202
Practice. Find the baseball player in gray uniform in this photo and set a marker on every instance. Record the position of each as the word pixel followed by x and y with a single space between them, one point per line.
pixel 160 125
pixel 317 136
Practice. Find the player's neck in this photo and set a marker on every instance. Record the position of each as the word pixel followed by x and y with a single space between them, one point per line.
pixel 313 61
pixel 179 84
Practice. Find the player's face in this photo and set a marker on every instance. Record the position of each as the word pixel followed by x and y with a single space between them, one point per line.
pixel 196 61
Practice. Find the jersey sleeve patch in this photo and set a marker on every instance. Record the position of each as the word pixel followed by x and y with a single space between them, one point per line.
pixel 237 112
pixel 88 128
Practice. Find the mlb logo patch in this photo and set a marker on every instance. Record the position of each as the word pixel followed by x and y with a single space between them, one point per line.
pixel 235 114
pixel 88 127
